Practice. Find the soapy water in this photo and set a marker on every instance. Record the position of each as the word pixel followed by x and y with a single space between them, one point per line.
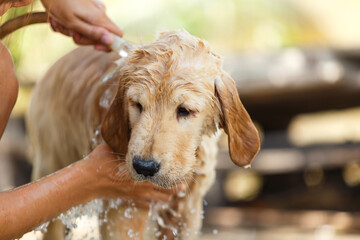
pixel 105 102
pixel 155 208
pixel 247 166
pixel 106 98
pixel 97 211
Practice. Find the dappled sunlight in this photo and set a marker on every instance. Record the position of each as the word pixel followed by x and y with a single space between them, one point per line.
pixel 326 128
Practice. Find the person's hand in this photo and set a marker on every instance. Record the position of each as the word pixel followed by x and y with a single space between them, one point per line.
pixel 84 20
pixel 114 181
pixel 5 5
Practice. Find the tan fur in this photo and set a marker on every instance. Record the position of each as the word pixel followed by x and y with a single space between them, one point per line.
pixel 175 70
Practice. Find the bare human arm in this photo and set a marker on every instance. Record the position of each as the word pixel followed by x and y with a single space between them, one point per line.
pixel 98 175
pixel 8 86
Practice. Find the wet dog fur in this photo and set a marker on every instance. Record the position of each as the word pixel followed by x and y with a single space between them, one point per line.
pixel 169 98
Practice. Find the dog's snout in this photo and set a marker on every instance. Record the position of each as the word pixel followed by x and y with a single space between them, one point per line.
pixel 146 167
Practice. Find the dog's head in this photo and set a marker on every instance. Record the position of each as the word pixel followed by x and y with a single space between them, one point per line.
pixel 171 93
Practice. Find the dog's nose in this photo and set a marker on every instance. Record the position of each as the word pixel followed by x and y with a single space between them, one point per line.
pixel 146 167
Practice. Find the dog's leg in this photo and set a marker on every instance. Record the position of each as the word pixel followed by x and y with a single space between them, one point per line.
pixel 55 231
pixel 185 213
pixel 183 219
pixel 125 223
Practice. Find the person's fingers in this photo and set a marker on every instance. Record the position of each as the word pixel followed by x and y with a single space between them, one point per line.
pixel 101 47
pixel 100 19
pixel 143 204
pixel 160 196
pixel 57 27
pixel 181 188
pixel 21 3
pixel 80 39
pixel 4 7
pixel 111 26
pixel 151 196
pixel 52 24
pixel 95 33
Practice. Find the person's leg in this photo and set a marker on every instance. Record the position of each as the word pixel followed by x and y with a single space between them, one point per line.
pixel 8 86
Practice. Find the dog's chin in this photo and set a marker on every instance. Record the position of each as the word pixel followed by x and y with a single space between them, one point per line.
pixel 159 180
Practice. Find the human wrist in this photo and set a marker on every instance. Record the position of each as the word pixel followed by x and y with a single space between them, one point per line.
pixel 106 173
pixel 87 181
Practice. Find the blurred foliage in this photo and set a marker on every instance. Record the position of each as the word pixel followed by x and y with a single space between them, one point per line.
pixel 229 25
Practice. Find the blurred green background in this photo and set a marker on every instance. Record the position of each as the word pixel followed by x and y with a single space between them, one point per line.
pixel 231 26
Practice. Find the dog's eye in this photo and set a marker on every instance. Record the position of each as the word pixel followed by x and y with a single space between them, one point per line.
pixel 182 112
pixel 138 105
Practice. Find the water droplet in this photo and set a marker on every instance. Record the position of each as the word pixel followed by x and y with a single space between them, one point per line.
pixel 157 234
pixel 215 231
pixel 165 207
pixel 181 194
pixel 131 233
pixel 93 208
pixel 42 228
pixel 123 53
pixel 114 203
pixel 128 213
pixel 106 98
pixel 202 214
pixel 193 211
pixel 109 75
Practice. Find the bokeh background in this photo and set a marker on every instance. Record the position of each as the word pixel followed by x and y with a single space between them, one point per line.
pixel 297 68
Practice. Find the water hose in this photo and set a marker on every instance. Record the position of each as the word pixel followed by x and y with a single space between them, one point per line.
pixel 22 21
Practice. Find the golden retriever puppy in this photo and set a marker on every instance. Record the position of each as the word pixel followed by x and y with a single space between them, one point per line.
pixel 160 111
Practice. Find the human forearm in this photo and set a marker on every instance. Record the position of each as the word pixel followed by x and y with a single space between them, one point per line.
pixel 8 86
pixel 25 208
pixel 100 174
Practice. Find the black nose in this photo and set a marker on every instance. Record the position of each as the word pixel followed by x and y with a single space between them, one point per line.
pixel 146 167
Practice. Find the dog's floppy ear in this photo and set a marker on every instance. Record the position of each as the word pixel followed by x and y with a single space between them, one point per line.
pixel 115 127
pixel 243 137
